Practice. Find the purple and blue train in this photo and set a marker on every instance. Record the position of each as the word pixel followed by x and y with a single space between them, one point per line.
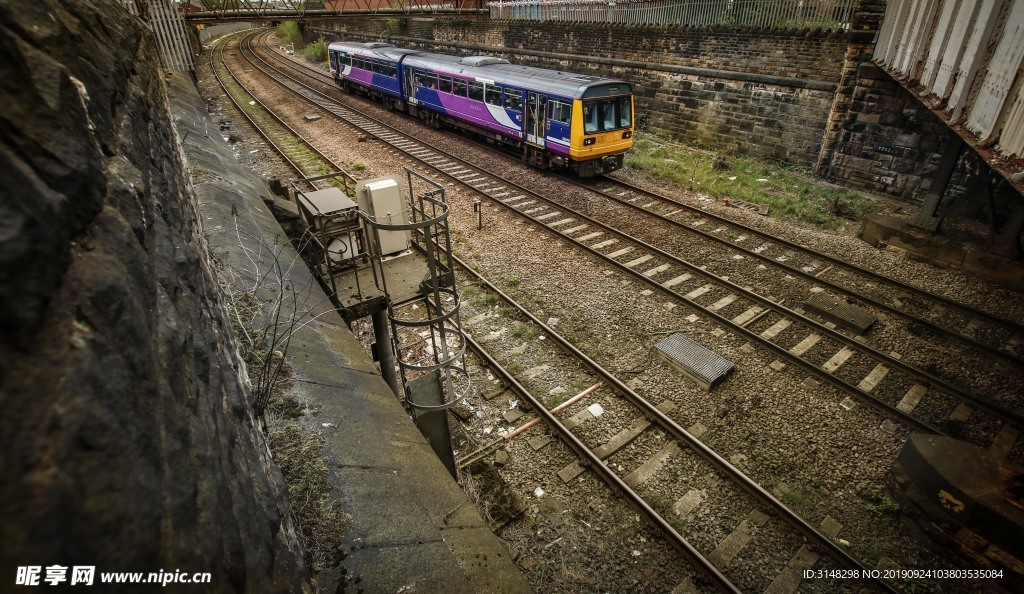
pixel 555 120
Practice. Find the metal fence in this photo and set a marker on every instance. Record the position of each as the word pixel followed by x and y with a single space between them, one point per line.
pixel 762 14
pixel 168 26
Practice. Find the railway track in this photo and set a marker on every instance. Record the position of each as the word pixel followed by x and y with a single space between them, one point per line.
pixel 914 398
pixel 296 151
pixel 974 327
pixel 643 458
pixel 747 314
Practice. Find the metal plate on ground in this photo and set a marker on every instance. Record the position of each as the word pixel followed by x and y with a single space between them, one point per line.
pixel 702 365
pixel 842 313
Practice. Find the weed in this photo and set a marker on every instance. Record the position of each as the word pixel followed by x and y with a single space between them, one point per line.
pixel 878 500
pixel 316 51
pixel 526 331
pixel 289 31
pixel 322 523
pixel 512 282
pixel 514 368
pixel 788 189
pixel 800 498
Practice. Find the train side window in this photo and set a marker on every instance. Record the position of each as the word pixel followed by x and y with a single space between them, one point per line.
pixel 392 71
pixel 560 112
pixel 417 75
pixel 445 84
pixel 476 91
pixel 430 80
pixel 513 99
pixel 492 95
pixel 459 87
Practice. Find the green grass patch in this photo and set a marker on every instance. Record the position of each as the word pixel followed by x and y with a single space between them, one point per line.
pixel 878 499
pixel 289 31
pixel 316 51
pixel 526 331
pixel 791 192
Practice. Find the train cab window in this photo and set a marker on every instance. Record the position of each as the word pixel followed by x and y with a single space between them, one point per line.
pixel 459 87
pixel 514 99
pixel 560 112
pixel 492 95
pixel 625 112
pixel 476 91
pixel 605 115
pixel 445 83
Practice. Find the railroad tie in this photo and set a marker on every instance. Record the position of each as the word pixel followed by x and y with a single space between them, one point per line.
pixel 790 578
pixel 877 374
pixel 649 468
pixel 911 398
pixel 675 281
pixel 689 502
pixel 731 545
pixel 1004 440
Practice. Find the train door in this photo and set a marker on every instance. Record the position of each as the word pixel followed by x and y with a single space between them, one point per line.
pixel 533 127
pixel 410 86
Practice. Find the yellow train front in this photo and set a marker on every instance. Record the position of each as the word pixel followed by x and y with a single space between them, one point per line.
pixel 602 128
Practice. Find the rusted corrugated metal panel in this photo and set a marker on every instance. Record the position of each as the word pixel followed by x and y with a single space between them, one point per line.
pixel 1003 70
pixel 964 57
pixel 1011 142
pixel 939 42
pixel 974 56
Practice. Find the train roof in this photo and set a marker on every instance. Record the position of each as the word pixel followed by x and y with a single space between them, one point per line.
pixel 383 51
pixel 498 69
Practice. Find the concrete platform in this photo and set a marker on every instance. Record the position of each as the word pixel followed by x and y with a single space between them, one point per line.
pixel 895 234
pixel 415 530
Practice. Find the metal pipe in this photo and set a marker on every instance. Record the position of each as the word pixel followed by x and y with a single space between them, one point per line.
pixel 386 354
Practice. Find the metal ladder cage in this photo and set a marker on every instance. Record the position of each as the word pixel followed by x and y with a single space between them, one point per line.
pixel 324 229
pixel 431 342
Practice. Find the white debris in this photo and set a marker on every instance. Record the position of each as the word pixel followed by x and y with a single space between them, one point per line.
pixel 487 430
pixel 596 409
pixel 512 404
pixel 328 425
pixel 538 492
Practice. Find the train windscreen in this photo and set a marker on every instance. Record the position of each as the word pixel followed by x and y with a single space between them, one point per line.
pixel 604 115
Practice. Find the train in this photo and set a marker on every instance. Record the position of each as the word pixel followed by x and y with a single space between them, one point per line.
pixel 552 119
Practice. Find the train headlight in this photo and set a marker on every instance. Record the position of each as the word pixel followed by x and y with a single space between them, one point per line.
pixel 627 134
pixel 589 141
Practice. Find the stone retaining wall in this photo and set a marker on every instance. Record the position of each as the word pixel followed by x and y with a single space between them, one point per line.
pixel 128 439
